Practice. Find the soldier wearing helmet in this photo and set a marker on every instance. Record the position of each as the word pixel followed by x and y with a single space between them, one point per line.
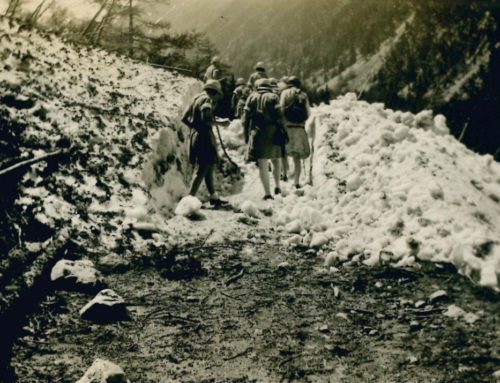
pixel 213 72
pixel 240 95
pixel 260 72
pixel 262 121
pixel 202 144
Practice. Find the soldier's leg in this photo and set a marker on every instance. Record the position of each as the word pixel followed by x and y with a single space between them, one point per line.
pixel 264 175
pixel 296 170
pixel 197 180
pixel 276 174
pixel 209 180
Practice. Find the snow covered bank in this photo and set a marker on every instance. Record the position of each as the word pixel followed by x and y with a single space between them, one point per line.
pixel 113 111
pixel 396 187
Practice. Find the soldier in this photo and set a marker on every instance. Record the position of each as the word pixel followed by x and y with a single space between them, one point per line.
pixel 262 120
pixel 202 144
pixel 240 95
pixel 274 85
pixel 296 110
pixel 213 72
pixel 260 73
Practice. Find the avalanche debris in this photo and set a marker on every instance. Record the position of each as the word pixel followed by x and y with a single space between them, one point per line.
pixel 396 187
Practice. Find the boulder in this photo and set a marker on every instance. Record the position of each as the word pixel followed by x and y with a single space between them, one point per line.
pixel 113 263
pixel 106 307
pixel 76 275
pixel 439 296
pixel 104 371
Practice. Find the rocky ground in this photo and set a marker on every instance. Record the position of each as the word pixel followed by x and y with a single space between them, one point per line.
pixel 240 312
pixel 235 304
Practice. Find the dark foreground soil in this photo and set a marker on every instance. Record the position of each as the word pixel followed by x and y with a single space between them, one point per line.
pixel 242 318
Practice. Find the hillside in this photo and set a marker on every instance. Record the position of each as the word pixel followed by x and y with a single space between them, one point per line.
pixel 291 36
pixel 409 55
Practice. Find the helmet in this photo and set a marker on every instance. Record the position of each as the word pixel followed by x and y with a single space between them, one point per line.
pixel 213 85
pixel 294 81
pixel 215 60
pixel 240 81
pixel 263 83
pixel 273 81
pixel 260 65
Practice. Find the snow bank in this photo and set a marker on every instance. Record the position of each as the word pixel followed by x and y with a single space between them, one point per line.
pixel 397 187
pixel 121 118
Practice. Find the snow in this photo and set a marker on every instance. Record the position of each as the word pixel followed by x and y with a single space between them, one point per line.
pixel 188 206
pixel 115 112
pixel 387 186
pixel 403 188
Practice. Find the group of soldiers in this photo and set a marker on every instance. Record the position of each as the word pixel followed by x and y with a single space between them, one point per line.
pixel 273 114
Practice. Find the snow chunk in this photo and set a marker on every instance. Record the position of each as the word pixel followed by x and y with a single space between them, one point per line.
pixel 250 209
pixel 188 206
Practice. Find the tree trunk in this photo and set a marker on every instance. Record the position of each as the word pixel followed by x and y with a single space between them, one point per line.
pixel 103 23
pixel 130 29
pixel 92 22
pixel 36 13
pixel 11 9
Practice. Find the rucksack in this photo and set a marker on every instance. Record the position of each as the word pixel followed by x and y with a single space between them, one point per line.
pixel 296 108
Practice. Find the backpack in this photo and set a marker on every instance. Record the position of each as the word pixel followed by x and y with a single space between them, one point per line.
pixel 296 109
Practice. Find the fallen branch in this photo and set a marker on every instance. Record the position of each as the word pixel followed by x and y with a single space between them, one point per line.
pixel 239 354
pixel 31 161
pixel 235 277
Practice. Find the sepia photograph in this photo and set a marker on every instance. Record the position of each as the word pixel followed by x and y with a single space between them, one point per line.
pixel 249 191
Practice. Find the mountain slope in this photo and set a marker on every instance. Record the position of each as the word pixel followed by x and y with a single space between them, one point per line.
pixel 410 55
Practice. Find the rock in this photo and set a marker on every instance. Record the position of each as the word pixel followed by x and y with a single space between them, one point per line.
pixel 76 275
pixel 415 326
pixel 439 296
pixel 104 371
pixel 336 292
pixel 471 318
pixel 454 312
pixel 113 263
pixel 419 304
pixel 106 307
pixel 324 328
pixel 412 359
pixel 342 315
pixel 284 265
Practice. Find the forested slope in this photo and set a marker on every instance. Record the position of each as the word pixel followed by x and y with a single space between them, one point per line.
pixel 408 54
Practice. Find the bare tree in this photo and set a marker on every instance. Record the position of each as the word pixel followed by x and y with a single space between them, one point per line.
pixel 12 8
pixel 130 28
pixel 39 11
pixel 104 22
pixel 91 23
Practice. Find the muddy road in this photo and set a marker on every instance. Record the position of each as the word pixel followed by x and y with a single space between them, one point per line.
pixel 253 310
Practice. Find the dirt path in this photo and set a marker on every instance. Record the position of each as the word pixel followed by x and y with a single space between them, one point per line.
pixel 231 313
pixel 236 305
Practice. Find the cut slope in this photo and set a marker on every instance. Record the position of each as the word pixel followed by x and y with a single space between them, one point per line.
pixel 111 110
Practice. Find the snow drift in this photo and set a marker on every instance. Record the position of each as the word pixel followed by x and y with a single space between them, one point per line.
pixel 121 118
pixel 396 187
